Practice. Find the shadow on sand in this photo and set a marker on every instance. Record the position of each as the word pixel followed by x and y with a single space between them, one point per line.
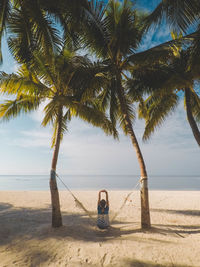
pixel 136 263
pixel 21 224
pixel 36 223
pixel 181 212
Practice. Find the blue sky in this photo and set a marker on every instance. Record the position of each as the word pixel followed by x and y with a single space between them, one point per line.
pixel 25 145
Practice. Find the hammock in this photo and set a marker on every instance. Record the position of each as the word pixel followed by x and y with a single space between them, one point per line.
pixel 81 206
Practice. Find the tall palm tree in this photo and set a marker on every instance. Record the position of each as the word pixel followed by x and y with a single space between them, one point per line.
pixel 165 83
pixel 114 39
pixel 67 84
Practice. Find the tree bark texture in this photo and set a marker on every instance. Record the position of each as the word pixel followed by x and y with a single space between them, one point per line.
pixel 190 117
pixel 145 214
pixel 55 202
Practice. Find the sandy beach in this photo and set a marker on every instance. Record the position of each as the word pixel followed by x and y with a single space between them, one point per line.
pixel 26 238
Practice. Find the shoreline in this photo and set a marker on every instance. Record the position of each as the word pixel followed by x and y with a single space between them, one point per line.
pixel 27 239
pixel 97 189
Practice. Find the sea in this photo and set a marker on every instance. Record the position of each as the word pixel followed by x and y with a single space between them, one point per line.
pixel 97 182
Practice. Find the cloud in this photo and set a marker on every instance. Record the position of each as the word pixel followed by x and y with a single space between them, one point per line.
pixel 87 150
pixel 32 139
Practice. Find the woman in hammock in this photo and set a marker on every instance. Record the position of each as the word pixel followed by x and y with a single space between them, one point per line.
pixel 103 209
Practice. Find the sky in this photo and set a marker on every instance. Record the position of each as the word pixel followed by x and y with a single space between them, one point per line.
pixel 25 144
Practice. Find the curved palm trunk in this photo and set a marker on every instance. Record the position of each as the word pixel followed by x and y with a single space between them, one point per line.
pixel 145 214
pixel 190 117
pixel 55 202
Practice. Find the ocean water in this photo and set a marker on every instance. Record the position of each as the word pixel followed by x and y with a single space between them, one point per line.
pixel 97 182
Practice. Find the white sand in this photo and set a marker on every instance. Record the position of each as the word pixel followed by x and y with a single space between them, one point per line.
pixel 26 238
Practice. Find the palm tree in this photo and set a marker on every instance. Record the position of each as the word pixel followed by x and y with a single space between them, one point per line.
pixel 114 39
pixel 67 83
pixel 164 83
pixel 180 73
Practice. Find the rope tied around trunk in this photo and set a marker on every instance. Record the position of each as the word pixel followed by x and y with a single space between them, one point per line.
pixel 142 178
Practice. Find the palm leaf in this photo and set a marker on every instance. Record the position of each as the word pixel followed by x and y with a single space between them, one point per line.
pixel 51 111
pixel 16 84
pixel 5 8
pixel 158 109
pixel 195 106
pixel 94 116
pixel 130 111
pixel 12 108
pixel 180 14
pixel 55 128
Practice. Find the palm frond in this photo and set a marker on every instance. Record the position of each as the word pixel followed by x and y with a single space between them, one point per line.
pixel 5 8
pixel 12 108
pixel 114 109
pixel 22 42
pixel 55 129
pixel 130 113
pixel 88 79
pixel 180 14
pixel 157 112
pixel 44 71
pixel 124 26
pixel 13 84
pixel 51 112
pixel 160 53
pixel 93 116
pixel 195 106
pixel 95 36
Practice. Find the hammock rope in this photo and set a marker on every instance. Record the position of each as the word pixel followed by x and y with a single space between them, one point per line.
pixel 78 203
pixel 124 202
pixel 81 206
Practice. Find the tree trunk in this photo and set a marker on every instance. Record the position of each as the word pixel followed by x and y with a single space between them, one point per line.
pixel 145 214
pixel 190 117
pixel 55 202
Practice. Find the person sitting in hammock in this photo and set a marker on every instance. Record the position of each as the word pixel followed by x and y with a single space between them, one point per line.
pixel 103 211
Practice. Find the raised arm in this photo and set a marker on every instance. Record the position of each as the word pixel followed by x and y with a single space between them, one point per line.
pixel 99 198
pixel 107 202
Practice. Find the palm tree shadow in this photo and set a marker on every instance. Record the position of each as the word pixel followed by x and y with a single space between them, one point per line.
pixel 36 223
pixel 179 230
pixel 28 223
pixel 81 227
pixel 182 212
pixel 137 263
pixel 5 206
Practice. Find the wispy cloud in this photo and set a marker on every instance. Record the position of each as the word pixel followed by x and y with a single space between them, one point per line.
pixel 32 139
pixel 86 150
